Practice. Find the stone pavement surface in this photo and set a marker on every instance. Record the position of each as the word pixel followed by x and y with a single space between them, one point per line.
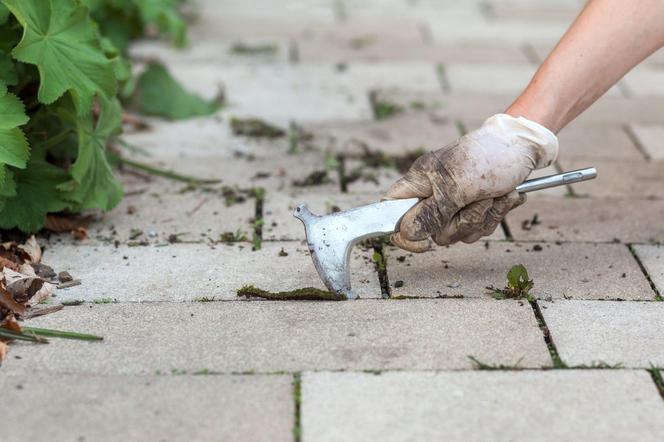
pixel 361 88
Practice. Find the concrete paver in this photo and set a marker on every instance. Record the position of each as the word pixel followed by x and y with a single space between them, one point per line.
pixel 599 405
pixel 194 272
pixel 619 179
pixel 589 219
pixel 398 135
pixel 645 81
pixel 597 142
pixel 652 258
pixel 651 138
pixel 567 270
pixel 488 78
pixel 292 336
pixel 591 332
pixel 45 407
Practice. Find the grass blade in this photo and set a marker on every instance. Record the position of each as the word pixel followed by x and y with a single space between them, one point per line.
pixel 8 334
pixel 61 334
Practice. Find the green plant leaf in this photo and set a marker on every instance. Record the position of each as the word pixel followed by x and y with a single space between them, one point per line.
pixel 35 195
pixel 159 94
pixel 61 40
pixel 14 150
pixel 93 184
pixel 7 70
pixel 164 14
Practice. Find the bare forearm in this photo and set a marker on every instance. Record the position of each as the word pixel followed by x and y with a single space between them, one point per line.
pixel 607 40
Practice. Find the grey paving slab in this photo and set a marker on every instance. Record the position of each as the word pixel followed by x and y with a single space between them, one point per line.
pixel 229 51
pixel 398 135
pixel 186 272
pixel 488 78
pixel 567 270
pixel 42 407
pixel 275 336
pixel 597 142
pixel 645 81
pixel 652 258
pixel 599 405
pixel 279 93
pixel 620 179
pixel 160 208
pixel 589 219
pixel 481 31
pixel 592 332
pixel 651 138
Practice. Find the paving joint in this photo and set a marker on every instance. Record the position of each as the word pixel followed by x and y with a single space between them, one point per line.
pixel 443 80
pixel 656 375
pixel 257 239
pixel 636 142
pixel 297 401
pixel 548 339
pixel 658 296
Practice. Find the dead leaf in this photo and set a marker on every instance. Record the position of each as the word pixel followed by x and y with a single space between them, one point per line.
pixel 4 348
pixel 8 302
pixel 45 292
pixel 10 323
pixel 41 310
pixel 80 233
pixel 33 250
pixel 66 223
pixel 22 287
pixel 4 262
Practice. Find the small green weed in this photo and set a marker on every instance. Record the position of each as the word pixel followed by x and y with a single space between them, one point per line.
pixel 518 286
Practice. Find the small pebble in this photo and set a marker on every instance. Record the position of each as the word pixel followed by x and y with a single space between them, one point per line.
pixel 65 277
pixel 398 284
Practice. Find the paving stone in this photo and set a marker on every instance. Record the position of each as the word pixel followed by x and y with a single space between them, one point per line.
pixel 186 272
pixel 568 270
pixel 651 139
pixel 591 332
pixel 481 31
pixel 223 51
pixel 488 78
pixel 291 336
pixel 163 208
pixel 279 93
pixel 589 219
pixel 148 408
pixel 652 258
pixel 398 135
pixel 597 405
pixel 591 143
pixel 619 179
pixel 645 81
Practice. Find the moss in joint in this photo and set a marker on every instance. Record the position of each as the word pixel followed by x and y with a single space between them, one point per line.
pixel 303 294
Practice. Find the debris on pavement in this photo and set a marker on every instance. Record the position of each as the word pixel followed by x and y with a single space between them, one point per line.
pixel 26 285
pixel 303 294
pixel 255 128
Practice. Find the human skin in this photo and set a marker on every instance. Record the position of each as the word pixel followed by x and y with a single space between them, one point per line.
pixel 607 39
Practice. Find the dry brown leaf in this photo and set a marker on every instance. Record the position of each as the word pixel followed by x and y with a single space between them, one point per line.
pixel 8 302
pixel 80 233
pixel 32 249
pixel 22 287
pixel 10 323
pixel 63 223
pixel 27 270
pixel 4 348
pixel 45 292
pixel 4 262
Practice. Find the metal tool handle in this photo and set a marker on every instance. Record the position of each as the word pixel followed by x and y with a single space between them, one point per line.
pixel 545 182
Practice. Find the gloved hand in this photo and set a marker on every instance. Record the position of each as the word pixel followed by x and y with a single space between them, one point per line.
pixel 467 187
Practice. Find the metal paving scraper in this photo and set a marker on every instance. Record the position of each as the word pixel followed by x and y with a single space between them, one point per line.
pixel 331 237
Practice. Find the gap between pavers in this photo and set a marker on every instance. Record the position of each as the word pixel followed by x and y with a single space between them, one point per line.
pixel 267 337
pixel 652 258
pixel 589 219
pixel 651 139
pixel 186 272
pixel 43 407
pixel 599 405
pixel 567 270
pixel 609 332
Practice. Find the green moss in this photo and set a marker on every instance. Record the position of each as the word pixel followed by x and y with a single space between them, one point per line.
pixel 261 49
pixel 303 294
pixel 253 127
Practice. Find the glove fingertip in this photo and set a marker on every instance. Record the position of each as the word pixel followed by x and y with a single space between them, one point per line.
pixel 412 246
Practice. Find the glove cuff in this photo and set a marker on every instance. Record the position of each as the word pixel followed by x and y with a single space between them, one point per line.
pixel 544 142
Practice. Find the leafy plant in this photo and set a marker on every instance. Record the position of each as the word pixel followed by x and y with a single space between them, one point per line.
pixel 518 285
pixel 62 78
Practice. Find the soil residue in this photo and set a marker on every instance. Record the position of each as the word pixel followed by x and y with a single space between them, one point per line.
pixel 303 294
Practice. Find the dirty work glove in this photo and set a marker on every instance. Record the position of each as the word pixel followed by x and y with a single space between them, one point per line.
pixel 467 187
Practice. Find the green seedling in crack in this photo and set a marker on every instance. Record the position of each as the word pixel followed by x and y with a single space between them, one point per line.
pixel 518 286
pixel 260 49
pixel 479 365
